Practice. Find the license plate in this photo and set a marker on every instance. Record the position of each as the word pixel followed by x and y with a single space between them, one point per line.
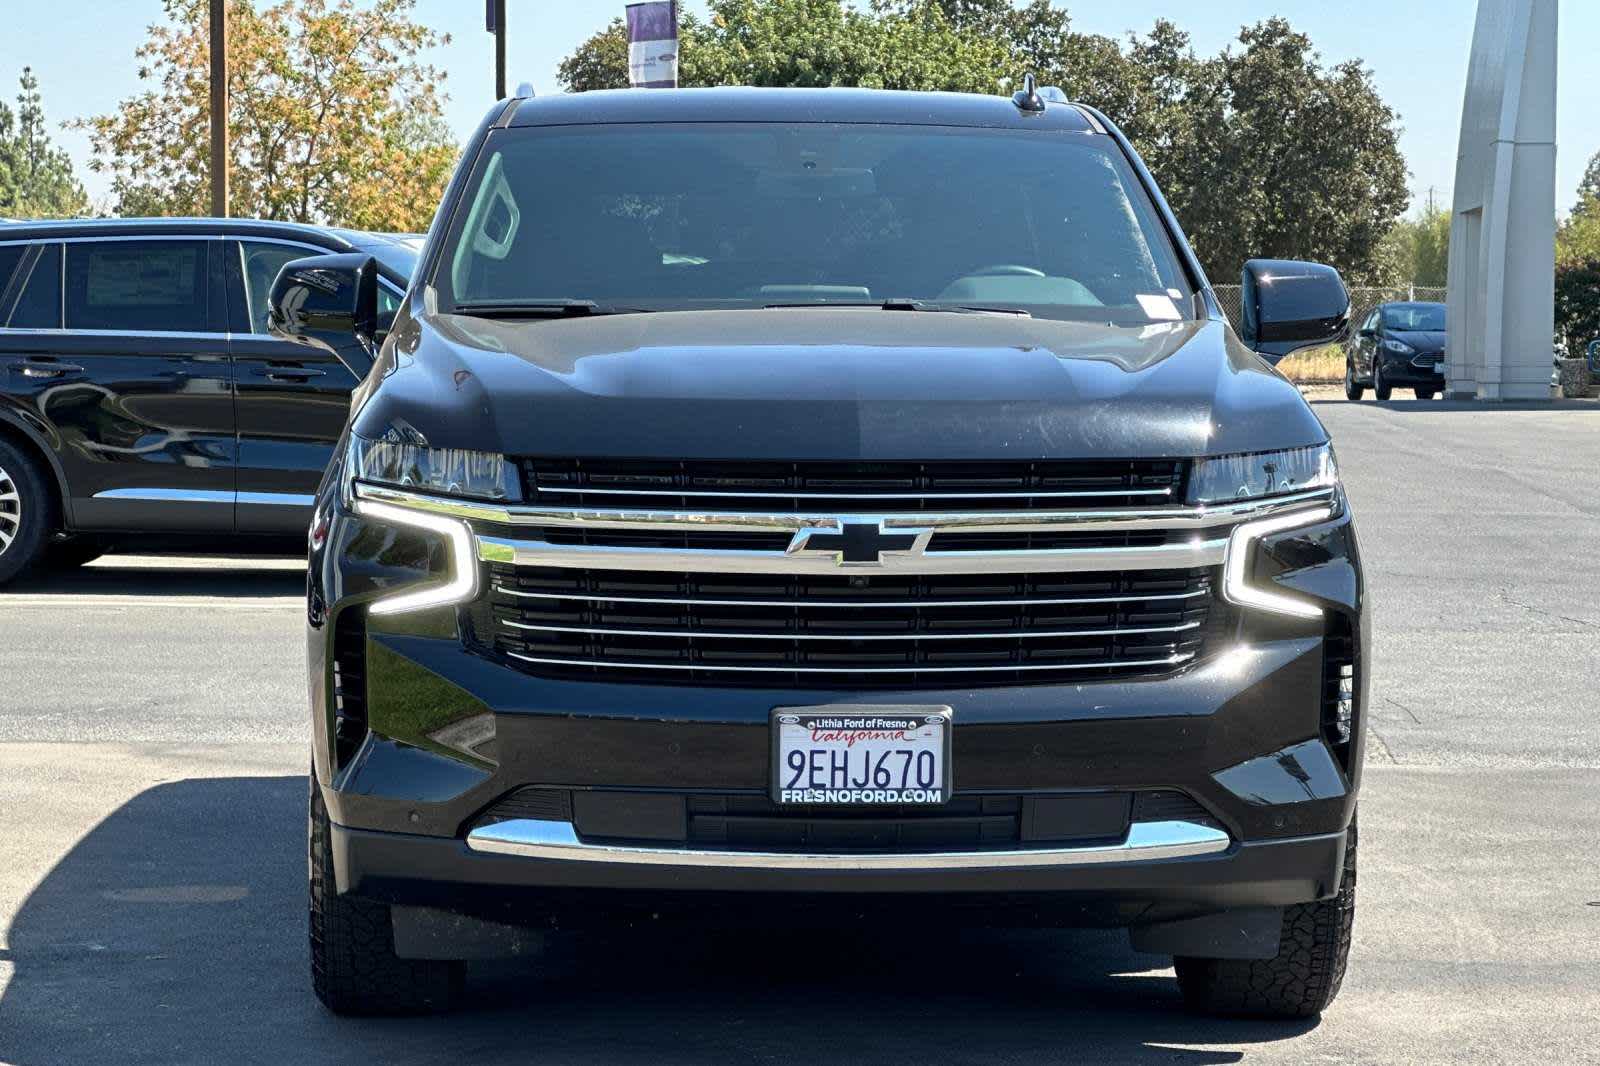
pixel 861 756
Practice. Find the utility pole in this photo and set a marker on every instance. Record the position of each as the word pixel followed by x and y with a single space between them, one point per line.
pixel 495 16
pixel 219 108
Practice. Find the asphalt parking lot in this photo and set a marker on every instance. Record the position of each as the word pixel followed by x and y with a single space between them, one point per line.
pixel 152 855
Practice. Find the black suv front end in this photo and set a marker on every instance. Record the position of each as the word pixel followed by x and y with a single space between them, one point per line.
pixel 707 612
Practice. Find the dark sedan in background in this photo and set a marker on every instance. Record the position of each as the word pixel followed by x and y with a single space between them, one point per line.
pixel 141 397
pixel 1399 345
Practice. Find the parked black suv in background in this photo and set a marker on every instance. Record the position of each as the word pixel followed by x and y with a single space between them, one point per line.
pixel 1398 345
pixel 827 505
pixel 141 397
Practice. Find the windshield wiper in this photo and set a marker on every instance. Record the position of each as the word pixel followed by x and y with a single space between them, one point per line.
pixel 932 306
pixel 539 309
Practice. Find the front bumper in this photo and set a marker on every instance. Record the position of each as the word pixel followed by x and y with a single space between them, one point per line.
pixel 1413 370
pixel 449 733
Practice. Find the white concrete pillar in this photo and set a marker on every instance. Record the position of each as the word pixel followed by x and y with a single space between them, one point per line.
pixel 1502 235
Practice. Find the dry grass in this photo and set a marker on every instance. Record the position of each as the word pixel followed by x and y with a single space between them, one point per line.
pixel 1316 366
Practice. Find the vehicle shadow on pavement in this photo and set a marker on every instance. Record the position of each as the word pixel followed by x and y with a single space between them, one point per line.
pixel 174 932
pixel 1410 406
pixel 157 579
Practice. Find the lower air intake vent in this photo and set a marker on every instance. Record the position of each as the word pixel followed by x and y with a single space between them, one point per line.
pixel 1339 690
pixel 349 683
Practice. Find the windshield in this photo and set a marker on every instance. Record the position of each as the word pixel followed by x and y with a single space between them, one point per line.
pixel 669 217
pixel 1414 318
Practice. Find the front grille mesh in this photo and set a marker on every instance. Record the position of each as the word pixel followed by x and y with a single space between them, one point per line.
pixel 846 630
pixel 719 485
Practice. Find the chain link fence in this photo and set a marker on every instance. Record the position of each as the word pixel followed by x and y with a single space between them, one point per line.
pixel 1325 365
pixel 1362 301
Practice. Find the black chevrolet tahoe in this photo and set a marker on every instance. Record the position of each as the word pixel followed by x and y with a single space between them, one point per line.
pixel 772 505
pixel 143 403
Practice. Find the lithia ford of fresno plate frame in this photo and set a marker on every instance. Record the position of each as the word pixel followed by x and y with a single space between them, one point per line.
pixel 861 756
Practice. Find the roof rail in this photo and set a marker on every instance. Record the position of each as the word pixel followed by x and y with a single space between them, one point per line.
pixel 525 91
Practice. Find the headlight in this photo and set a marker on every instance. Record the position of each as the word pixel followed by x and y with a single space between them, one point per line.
pixel 1231 478
pixel 412 464
pixel 1399 347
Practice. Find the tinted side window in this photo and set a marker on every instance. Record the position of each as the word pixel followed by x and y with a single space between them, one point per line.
pixel 39 306
pixel 261 265
pixel 138 285
pixel 9 258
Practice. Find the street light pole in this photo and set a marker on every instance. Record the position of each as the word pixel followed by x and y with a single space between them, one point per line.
pixel 219 108
pixel 496 18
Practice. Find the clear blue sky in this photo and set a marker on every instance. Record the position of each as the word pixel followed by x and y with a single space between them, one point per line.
pixel 1417 49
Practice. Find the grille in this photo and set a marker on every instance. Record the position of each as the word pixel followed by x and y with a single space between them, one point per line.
pixel 752 822
pixel 846 630
pixel 716 485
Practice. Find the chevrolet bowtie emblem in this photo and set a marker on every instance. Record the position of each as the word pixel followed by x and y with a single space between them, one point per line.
pixel 859 542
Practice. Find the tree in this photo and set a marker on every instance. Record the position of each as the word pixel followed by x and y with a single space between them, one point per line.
pixel 1261 150
pixel 1589 187
pixel 1578 304
pixel 1578 237
pixel 333 119
pixel 36 179
pixel 1417 250
pixel 805 43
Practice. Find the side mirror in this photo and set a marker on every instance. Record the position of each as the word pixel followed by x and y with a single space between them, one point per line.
pixel 1368 334
pixel 329 302
pixel 1289 306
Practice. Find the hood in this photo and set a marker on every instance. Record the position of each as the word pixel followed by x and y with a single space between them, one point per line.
pixel 1424 341
pixel 832 384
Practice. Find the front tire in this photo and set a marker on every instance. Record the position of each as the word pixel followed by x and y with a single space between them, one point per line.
pixel 1304 977
pixel 354 969
pixel 1380 388
pixel 1352 391
pixel 27 512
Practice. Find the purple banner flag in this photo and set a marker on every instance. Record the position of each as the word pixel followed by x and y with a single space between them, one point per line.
pixel 653 45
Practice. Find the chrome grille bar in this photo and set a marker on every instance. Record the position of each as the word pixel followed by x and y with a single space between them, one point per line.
pixel 904 669
pixel 901 605
pixel 935 522
pixel 1197 553
pixel 928 495
pixel 1017 634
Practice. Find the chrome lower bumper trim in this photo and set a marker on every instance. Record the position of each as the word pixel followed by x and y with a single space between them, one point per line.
pixel 1145 842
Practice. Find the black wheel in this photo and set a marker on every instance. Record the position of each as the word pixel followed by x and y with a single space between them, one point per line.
pixel 71 554
pixel 1352 391
pixel 354 969
pixel 1304 977
pixel 1380 388
pixel 1426 394
pixel 27 512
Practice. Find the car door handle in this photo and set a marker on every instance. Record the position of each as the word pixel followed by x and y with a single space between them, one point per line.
pixel 41 368
pixel 288 373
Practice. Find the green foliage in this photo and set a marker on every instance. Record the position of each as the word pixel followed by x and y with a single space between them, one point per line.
pixel 1589 187
pixel 1578 303
pixel 805 43
pixel 36 179
pixel 1578 238
pixel 1417 250
pixel 1262 150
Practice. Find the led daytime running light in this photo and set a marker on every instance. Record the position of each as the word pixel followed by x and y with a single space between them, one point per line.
pixel 1241 550
pixel 463 581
